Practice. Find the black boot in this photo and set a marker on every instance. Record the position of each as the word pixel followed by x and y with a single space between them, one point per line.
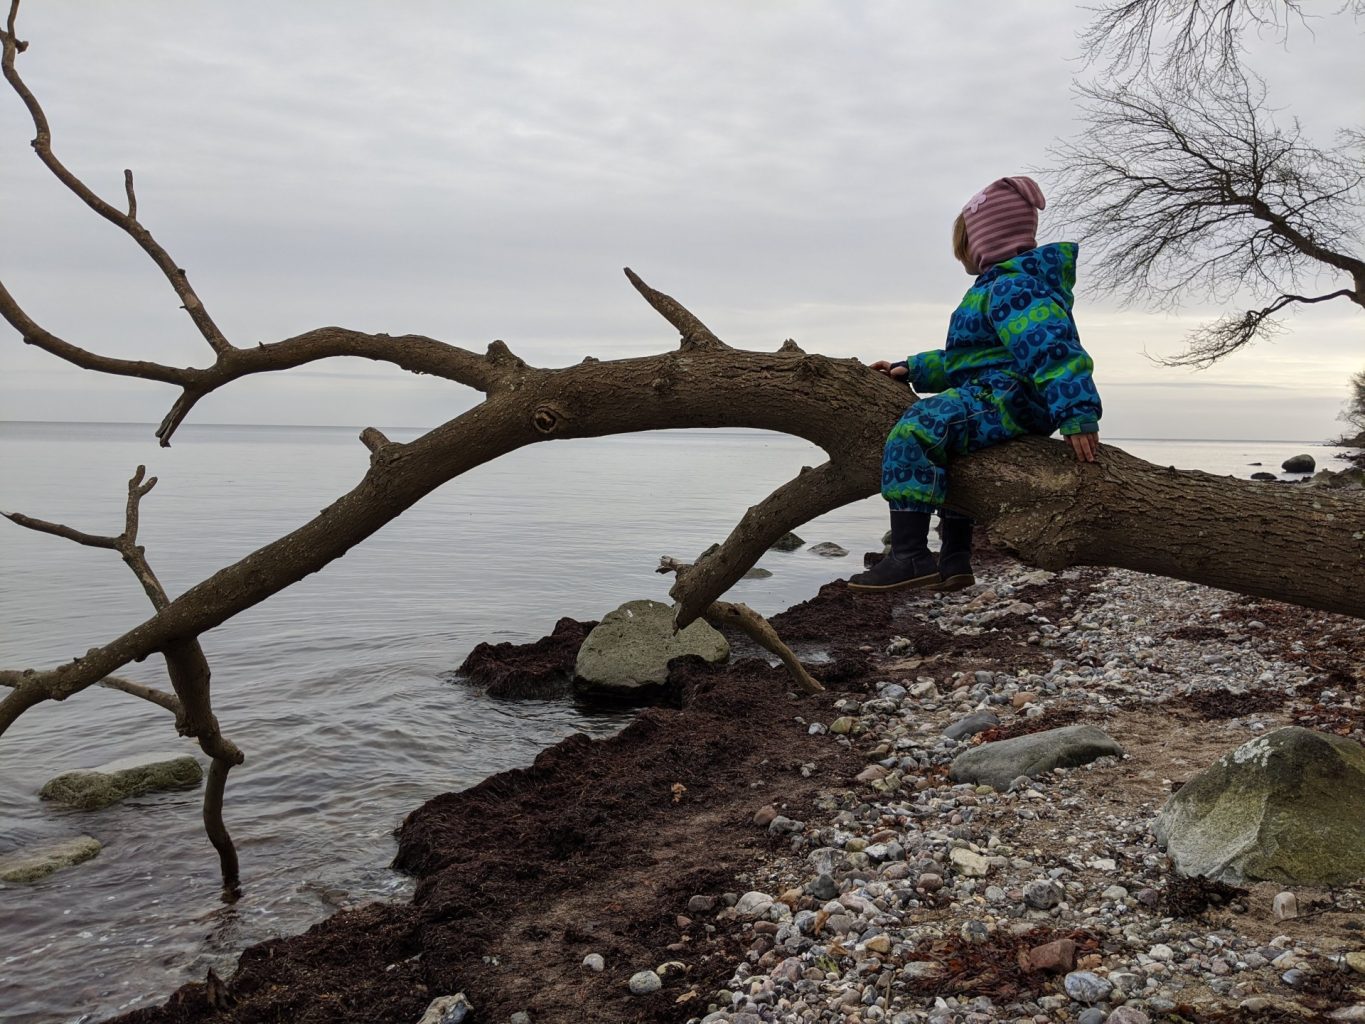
pixel 955 554
pixel 910 564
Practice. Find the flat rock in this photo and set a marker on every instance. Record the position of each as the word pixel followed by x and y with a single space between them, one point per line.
pixel 828 549
pixel 1288 806
pixel 626 656
pixel 998 764
pixel 40 861
pixel 109 783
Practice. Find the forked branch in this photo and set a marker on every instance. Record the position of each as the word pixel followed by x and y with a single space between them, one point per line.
pixel 186 665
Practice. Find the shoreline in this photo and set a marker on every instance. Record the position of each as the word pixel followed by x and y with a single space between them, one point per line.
pixel 635 848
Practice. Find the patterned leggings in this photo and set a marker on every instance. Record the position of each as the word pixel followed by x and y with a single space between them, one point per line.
pixel 986 412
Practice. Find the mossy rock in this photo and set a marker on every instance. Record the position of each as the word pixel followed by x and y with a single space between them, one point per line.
pixel 41 861
pixel 1287 807
pixel 109 783
pixel 626 656
pixel 787 542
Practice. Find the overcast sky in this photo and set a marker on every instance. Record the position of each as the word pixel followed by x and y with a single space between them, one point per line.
pixel 483 170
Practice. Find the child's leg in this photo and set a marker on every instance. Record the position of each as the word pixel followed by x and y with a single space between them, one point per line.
pixel 912 483
pixel 955 553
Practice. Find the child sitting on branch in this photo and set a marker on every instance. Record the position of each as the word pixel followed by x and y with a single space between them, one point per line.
pixel 1012 364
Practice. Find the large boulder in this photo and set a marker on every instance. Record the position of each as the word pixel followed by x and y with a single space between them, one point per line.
pixel 130 776
pixel 1286 807
pixel 40 861
pixel 1299 464
pixel 625 658
pixel 1000 763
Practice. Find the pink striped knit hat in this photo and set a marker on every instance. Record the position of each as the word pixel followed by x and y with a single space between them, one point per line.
pixel 1002 221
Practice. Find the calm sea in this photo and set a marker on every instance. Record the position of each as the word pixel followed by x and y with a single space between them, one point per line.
pixel 338 689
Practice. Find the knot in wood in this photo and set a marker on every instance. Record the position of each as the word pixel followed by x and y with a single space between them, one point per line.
pixel 813 366
pixel 546 419
pixel 662 385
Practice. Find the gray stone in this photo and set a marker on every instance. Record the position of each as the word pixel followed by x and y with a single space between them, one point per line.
pixel 787 542
pixel 1299 464
pixel 520 1017
pixel 1087 987
pixel 129 776
pixel 644 983
pixel 1128 1015
pixel 447 1010
pixel 595 962
pixel 1042 894
pixel 969 864
pixel 1094 1015
pixel 626 655
pixel 823 888
pixel 1288 806
pixel 1286 905
pixel 783 826
pixel 977 721
pixel 997 764
pixel 753 904
pixel 757 573
pixel 1264 476
pixel 40 861
pixel 828 549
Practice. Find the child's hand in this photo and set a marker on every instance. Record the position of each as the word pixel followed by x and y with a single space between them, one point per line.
pixel 897 370
pixel 1086 446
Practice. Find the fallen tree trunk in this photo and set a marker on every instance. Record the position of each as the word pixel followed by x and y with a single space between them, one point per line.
pixel 1277 541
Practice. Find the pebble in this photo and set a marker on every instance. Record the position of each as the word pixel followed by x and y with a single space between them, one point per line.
pixel 1087 987
pixel 1127 1015
pixel 644 983
pixel 1286 906
pixel 1094 1015
pixel 594 962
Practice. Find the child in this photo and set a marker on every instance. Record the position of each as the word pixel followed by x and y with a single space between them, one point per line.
pixel 1013 364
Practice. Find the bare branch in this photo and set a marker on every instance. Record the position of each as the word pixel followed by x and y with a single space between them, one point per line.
pixel 1224 336
pixel 695 334
pixel 160 698
pixel 761 632
pixel 132 195
pixel 58 530
pixel 1179 194
pixel 127 222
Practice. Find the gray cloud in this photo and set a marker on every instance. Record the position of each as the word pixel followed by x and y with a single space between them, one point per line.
pixel 482 170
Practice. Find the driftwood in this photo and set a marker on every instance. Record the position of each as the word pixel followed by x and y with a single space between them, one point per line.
pixel 1279 542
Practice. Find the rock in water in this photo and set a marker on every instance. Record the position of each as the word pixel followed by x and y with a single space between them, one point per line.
pixel 998 764
pixel 41 861
pixel 828 549
pixel 1288 806
pixel 626 657
pixel 129 776
pixel 1299 464
pixel 1264 476
pixel 787 542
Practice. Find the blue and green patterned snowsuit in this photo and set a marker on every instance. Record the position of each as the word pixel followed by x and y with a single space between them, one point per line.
pixel 1012 364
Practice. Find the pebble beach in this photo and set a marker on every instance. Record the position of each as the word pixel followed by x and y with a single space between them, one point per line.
pixel 910 898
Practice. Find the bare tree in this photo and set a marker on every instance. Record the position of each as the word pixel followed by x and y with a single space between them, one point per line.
pixel 1031 494
pixel 1185 184
pixel 1185 41
pixel 1354 413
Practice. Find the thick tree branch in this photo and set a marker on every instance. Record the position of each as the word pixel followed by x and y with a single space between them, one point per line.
pixel 812 493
